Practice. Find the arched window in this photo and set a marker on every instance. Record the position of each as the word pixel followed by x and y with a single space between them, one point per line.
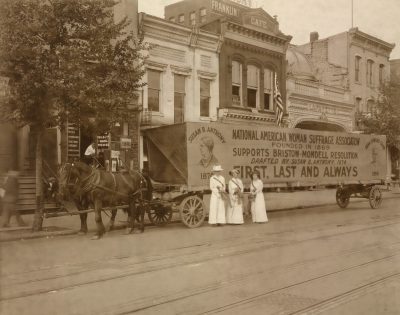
pixel 370 64
pixel 268 89
pixel 237 83
pixel 253 86
pixel 357 63
pixel 381 74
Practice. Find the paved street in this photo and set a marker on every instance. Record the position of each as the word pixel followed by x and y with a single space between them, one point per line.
pixel 321 260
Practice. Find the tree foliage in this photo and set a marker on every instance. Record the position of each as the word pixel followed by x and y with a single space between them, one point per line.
pixel 67 57
pixel 385 118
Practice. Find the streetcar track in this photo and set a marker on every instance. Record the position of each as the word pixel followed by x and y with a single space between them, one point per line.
pixel 184 262
pixel 95 264
pixel 345 297
pixel 224 284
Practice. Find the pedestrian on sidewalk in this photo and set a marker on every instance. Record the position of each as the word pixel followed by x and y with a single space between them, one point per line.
pixel 234 213
pixel 11 191
pixel 258 209
pixel 217 203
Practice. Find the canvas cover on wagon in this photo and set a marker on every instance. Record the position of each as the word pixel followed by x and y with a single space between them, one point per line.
pixel 185 154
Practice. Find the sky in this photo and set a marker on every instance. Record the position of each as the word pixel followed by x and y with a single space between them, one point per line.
pixel 379 18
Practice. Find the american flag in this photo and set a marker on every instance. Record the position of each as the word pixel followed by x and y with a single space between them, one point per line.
pixel 278 102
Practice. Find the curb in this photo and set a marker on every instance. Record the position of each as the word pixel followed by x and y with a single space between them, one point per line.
pixel 50 234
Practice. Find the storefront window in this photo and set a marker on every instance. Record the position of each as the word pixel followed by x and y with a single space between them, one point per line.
pixel 252 86
pixel 205 98
pixel 154 89
pixel 236 83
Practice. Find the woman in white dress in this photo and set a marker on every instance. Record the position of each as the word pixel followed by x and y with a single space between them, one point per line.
pixel 258 210
pixel 217 204
pixel 234 213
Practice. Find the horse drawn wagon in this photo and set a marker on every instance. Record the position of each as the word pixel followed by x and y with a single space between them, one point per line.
pixel 179 158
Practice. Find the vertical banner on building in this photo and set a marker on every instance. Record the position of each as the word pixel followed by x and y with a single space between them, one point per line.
pixel 73 141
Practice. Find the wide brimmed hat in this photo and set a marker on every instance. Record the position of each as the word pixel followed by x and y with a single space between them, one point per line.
pixel 234 171
pixel 217 168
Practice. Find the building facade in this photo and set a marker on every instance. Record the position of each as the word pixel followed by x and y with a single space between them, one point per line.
pixel 182 74
pixel 312 104
pixel 352 60
pixel 252 54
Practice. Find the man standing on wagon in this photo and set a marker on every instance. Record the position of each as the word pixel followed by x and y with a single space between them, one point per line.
pixel 217 204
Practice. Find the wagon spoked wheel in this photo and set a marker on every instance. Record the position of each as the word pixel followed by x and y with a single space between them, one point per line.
pixel 159 214
pixel 375 197
pixel 192 211
pixel 342 197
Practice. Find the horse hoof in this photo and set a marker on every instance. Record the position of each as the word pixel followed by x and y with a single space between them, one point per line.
pixel 109 228
pixel 96 237
pixel 82 233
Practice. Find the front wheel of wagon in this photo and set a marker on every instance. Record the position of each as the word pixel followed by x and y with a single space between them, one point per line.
pixel 192 211
pixel 342 197
pixel 159 214
pixel 375 197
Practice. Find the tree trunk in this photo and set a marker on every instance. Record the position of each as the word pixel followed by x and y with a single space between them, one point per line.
pixel 38 218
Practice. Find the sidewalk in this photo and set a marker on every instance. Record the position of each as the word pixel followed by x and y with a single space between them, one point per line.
pixel 69 225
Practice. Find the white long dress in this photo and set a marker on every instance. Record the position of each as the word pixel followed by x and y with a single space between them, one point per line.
pixel 217 204
pixel 258 209
pixel 234 213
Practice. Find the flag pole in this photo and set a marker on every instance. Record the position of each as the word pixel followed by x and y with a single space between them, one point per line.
pixel 352 10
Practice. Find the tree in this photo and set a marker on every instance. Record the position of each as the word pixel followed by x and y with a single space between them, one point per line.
pixel 385 117
pixel 66 59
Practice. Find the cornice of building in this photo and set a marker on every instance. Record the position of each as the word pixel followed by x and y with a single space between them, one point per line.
pixel 155 27
pixel 321 101
pixel 356 34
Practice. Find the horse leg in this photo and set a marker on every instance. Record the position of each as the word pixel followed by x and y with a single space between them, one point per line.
pixel 131 217
pixel 110 224
pixel 98 205
pixel 142 211
pixel 84 228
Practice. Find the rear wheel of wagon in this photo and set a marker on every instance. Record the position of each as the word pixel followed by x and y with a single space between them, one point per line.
pixel 342 197
pixel 159 214
pixel 375 197
pixel 192 211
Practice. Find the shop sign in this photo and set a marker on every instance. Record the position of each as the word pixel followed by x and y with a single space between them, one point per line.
pixel 115 154
pixel 260 23
pixel 73 143
pixel 246 3
pixel 126 143
pixel 224 8
pixel 102 142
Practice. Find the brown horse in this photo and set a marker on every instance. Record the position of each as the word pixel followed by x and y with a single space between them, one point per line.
pixel 101 188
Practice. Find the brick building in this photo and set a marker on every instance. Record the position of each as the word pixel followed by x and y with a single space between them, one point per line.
pixel 353 60
pixel 252 54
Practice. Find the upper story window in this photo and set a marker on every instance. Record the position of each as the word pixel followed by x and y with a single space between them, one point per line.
pixel 153 90
pixel 179 98
pixel 370 64
pixel 268 89
pixel 172 19
pixel 181 18
pixel 253 74
pixel 236 83
pixel 358 104
pixel 357 62
pixel 205 98
pixel 192 17
pixel 203 13
pixel 381 74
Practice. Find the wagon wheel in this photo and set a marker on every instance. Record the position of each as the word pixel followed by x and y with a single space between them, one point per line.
pixel 192 211
pixel 375 197
pixel 342 197
pixel 159 214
